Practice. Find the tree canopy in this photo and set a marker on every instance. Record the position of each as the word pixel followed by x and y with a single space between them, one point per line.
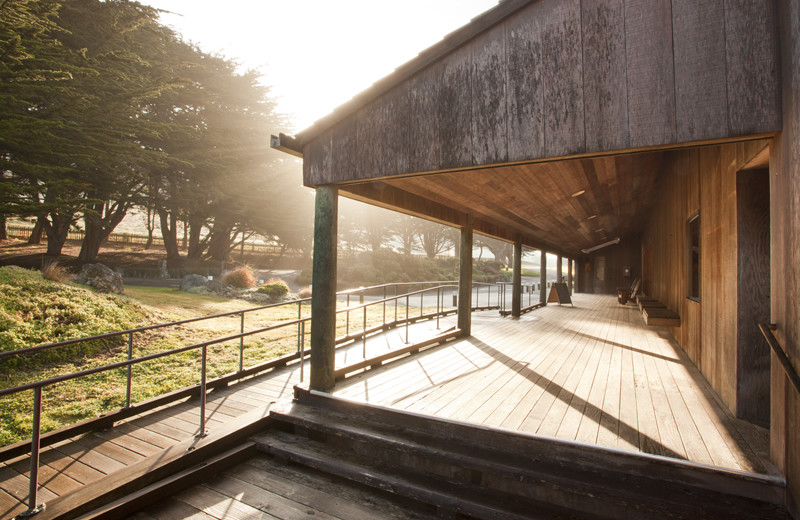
pixel 104 110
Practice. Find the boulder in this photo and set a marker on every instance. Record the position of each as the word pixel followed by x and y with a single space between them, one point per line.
pixel 101 277
pixel 190 281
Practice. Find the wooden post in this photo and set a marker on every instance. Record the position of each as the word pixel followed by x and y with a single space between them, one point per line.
pixel 570 265
pixel 465 279
pixel 559 267
pixel 543 278
pixel 323 295
pixel 516 287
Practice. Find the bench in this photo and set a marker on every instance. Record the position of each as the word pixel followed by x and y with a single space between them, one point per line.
pixel 656 313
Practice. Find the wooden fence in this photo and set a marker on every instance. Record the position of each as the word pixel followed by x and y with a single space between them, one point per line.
pixel 23 232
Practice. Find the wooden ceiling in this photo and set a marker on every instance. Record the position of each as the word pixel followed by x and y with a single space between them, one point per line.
pixel 539 203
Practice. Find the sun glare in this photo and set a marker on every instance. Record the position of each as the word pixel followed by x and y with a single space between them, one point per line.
pixel 317 54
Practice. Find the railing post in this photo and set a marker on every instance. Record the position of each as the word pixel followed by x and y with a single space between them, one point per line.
pixel 241 344
pixel 129 382
pixel 347 319
pixel 395 304
pixel 421 299
pixel 33 507
pixel 438 303
pixel 203 431
pixel 384 305
pixel 407 303
pixel 365 333
pixel 299 326
pixel 302 348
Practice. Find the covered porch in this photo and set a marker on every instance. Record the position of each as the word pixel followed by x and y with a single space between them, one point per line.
pixel 592 373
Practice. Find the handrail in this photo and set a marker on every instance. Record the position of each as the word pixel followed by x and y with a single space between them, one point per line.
pixel 37 386
pixel 766 330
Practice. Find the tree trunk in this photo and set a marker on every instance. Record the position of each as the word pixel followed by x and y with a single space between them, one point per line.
pixel 169 233
pixel 92 239
pixel 3 230
pixel 36 233
pixel 104 218
pixel 151 226
pixel 221 242
pixel 57 231
pixel 197 246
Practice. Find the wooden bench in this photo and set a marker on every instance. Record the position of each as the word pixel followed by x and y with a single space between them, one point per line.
pixel 656 313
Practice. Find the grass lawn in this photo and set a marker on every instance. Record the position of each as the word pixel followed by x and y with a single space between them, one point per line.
pixel 68 402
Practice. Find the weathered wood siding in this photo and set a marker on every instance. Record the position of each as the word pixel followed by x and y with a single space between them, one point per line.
pixel 785 239
pixel 565 77
pixel 701 181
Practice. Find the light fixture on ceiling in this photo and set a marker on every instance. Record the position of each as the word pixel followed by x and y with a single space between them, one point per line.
pixel 600 246
pixel 578 193
pixel 592 217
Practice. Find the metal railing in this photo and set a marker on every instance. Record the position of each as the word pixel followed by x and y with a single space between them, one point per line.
pixel 791 373
pixel 402 300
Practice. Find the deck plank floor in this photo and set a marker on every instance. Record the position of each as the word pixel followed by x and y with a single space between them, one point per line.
pixel 592 372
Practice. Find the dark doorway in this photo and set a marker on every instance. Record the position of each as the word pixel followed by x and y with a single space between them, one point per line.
pixel 753 291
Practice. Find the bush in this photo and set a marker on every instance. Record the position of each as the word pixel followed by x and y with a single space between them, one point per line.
pixel 55 272
pixel 240 278
pixel 304 293
pixel 275 288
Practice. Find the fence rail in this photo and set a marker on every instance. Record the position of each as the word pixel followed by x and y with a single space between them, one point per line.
pixel 23 232
pixel 395 310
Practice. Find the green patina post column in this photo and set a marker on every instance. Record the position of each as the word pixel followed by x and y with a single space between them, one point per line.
pixel 323 295
pixel 569 274
pixel 465 279
pixel 543 278
pixel 516 281
pixel 559 268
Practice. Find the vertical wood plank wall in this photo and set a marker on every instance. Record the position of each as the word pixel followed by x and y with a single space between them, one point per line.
pixel 563 77
pixel 701 180
pixel 785 267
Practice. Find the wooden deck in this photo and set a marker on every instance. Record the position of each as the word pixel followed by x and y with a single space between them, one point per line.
pixel 592 373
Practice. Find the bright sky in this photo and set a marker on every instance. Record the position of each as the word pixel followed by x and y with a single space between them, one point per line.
pixel 317 54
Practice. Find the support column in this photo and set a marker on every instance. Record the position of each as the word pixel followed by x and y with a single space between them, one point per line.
pixel 570 265
pixel 465 279
pixel 543 278
pixel 323 295
pixel 559 268
pixel 516 281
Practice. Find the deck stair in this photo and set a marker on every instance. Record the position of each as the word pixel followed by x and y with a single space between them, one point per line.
pixel 469 471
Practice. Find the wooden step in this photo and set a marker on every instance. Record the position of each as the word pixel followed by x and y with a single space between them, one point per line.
pixel 523 472
pixel 318 456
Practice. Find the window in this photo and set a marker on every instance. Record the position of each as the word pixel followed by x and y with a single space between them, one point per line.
pixel 693 258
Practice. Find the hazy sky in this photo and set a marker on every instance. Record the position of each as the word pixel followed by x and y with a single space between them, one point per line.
pixel 317 54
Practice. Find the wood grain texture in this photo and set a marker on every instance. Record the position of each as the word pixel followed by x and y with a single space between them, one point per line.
pixel 562 74
pixel 701 97
pixel 650 70
pixel 708 330
pixel 489 99
pixel 753 71
pixel 454 110
pixel 604 75
pixel 525 101
pixel 753 295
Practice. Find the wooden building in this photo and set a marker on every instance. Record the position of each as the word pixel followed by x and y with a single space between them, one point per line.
pixel 562 125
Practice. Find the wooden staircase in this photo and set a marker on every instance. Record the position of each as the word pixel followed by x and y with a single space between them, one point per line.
pixel 468 471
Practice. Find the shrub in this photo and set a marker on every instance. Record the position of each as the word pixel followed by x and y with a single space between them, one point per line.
pixel 304 293
pixel 55 272
pixel 275 288
pixel 240 278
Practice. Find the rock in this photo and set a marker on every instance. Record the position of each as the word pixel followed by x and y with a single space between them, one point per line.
pixel 101 277
pixel 191 281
